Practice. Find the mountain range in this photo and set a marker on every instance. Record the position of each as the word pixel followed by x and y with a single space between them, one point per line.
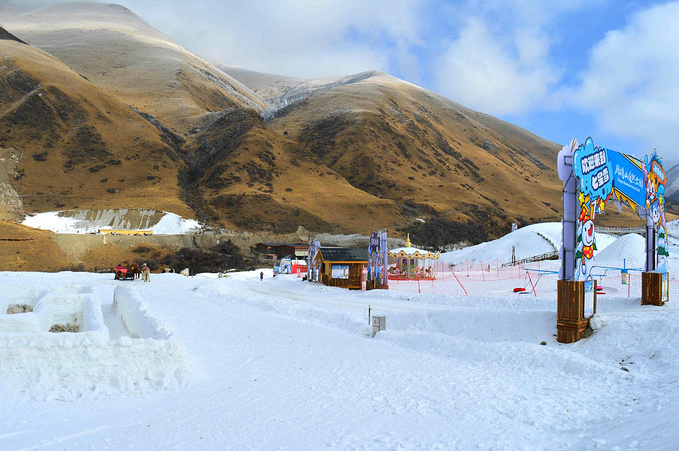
pixel 99 110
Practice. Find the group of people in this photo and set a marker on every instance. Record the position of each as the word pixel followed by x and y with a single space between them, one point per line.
pixel 144 272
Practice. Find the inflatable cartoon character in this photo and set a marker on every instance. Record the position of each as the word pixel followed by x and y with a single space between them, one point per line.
pixel 652 188
pixel 586 236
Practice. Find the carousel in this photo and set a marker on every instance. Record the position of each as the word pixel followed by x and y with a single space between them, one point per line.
pixel 411 263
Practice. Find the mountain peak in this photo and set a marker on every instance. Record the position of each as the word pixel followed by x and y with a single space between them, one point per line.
pixel 7 36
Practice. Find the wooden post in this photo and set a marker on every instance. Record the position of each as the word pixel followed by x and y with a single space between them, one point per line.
pixel 570 314
pixel 651 288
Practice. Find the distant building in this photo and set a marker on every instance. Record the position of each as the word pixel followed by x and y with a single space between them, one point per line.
pixel 342 266
pixel 125 232
pixel 279 250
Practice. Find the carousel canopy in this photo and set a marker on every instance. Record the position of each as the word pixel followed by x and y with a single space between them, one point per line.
pixel 412 252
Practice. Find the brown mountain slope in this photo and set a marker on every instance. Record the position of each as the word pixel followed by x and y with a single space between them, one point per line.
pixel 25 249
pixel 397 141
pixel 119 52
pixel 221 129
pixel 248 176
pixel 75 145
pixel 349 154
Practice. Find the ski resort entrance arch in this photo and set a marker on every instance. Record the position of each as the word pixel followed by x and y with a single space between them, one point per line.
pixel 592 177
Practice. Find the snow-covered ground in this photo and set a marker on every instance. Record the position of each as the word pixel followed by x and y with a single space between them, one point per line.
pixel 282 363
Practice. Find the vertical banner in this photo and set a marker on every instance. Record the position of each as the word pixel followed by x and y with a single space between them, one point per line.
pixel 384 252
pixel 373 255
pixel 378 259
pixel 655 181
pixel 312 265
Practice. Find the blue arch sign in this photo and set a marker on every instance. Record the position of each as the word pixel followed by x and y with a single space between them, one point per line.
pixel 606 175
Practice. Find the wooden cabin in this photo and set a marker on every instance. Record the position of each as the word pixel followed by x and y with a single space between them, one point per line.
pixel 342 266
pixel 280 250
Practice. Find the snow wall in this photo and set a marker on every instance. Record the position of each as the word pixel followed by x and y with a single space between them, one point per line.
pixel 69 366
pixel 39 320
pixel 134 314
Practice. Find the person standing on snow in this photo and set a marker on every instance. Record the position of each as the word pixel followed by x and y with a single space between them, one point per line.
pixel 145 273
pixel 261 275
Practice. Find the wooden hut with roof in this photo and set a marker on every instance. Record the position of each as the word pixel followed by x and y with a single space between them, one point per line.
pixel 342 266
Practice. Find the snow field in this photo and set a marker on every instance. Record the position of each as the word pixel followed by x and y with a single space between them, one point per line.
pixel 288 364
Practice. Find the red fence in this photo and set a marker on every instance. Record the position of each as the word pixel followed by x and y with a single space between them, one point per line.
pixel 535 279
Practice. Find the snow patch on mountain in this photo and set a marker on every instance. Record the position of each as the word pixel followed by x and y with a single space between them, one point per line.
pixel 91 221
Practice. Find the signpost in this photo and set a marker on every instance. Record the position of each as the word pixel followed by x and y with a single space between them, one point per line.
pixel 592 177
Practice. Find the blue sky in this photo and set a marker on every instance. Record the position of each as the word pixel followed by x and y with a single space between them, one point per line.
pixel 562 69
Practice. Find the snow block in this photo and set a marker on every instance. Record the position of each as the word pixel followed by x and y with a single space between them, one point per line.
pixel 135 316
pixel 39 320
pixel 67 307
pixel 43 315
pixel 93 319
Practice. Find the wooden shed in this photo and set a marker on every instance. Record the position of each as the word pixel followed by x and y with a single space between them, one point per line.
pixel 342 266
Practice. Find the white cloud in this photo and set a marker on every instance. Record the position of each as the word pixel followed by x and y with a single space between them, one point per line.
pixel 495 74
pixel 303 39
pixel 631 80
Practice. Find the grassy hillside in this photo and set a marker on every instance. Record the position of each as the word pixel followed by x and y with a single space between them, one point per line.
pixel 106 112
pixel 429 155
pixel 79 146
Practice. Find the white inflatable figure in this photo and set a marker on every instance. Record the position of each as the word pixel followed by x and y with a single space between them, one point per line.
pixel 587 241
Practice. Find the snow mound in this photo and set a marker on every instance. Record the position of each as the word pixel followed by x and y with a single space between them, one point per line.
pixel 529 241
pixel 602 241
pixel 628 249
pixel 51 220
pixel 172 224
